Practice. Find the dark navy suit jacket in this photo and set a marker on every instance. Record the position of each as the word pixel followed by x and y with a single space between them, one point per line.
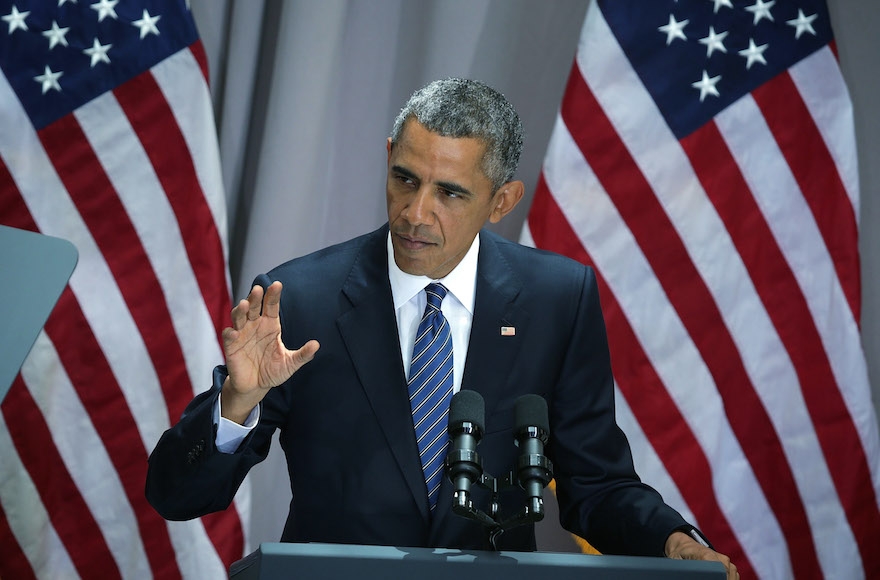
pixel 346 425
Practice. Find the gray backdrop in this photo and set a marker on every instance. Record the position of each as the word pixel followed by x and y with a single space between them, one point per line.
pixel 305 92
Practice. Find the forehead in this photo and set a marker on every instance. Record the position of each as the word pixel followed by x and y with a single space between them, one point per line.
pixel 423 150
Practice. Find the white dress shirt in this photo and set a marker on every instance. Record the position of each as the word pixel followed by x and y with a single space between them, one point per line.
pixel 408 293
pixel 409 296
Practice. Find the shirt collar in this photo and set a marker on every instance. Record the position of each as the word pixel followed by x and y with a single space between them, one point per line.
pixel 461 282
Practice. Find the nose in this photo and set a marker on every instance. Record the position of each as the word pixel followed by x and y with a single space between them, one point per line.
pixel 420 210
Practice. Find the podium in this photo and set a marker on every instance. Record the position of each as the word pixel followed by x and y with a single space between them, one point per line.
pixel 277 561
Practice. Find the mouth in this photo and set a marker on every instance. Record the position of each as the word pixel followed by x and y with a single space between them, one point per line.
pixel 412 243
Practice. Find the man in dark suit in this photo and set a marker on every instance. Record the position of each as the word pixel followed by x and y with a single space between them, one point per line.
pixel 332 361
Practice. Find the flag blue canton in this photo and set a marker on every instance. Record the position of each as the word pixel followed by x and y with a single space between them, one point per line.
pixel 60 55
pixel 696 57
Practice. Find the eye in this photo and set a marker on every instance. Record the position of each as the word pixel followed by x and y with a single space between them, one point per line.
pixel 404 180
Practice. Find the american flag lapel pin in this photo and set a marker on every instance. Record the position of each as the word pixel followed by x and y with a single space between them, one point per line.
pixel 508 331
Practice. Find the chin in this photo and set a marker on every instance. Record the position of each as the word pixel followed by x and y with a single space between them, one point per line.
pixel 415 270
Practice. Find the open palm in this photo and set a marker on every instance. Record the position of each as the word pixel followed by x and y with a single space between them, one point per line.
pixel 256 357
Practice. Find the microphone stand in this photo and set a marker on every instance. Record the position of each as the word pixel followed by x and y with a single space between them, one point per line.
pixel 531 512
pixel 464 467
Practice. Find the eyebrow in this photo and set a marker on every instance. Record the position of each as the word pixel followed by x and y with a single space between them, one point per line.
pixel 447 185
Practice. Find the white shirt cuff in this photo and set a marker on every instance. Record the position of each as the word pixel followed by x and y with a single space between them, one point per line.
pixel 229 433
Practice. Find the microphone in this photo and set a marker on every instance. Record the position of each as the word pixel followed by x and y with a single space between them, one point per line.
pixel 465 468
pixel 463 463
pixel 534 470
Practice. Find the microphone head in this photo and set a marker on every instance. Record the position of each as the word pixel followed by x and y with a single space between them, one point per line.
pixel 467 406
pixel 531 411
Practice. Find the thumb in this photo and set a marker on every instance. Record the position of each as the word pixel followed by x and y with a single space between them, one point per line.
pixel 306 353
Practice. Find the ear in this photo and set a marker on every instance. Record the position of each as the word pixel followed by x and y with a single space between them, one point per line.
pixel 388 147
pixel 505 199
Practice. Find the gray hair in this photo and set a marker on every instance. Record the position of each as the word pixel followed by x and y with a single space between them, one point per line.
pixel 467 108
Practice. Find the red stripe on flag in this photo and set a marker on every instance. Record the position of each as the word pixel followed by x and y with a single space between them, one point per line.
pixel 814 170
pixel 785 304
pixel 93 380
pixel 833 46
pixel 87 368
pixel 224 529
pixel 9 190
pixel 68 511
pixel 105 216
pixel 82 356
pixel 13 562
pixel 544 225
pixel 198 52
pixel 622 179
pixel 153 121
pixel 656 412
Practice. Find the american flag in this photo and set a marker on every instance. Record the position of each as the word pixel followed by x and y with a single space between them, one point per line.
pixel 703 161
pixel 107 139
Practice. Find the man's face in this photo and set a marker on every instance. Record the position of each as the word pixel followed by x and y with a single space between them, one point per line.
pixel 438 199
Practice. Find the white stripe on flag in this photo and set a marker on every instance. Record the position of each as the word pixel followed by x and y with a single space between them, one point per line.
pixel 27 517
pixel 671 177
pixel 137 186
pixel 646 459
pixel 85 457
pixel 92 282
pixel 821 85
pixel 180 85
pixel 796 232
pixel 730 257
pixel 196 555
pixel 595 219
pixel 132 179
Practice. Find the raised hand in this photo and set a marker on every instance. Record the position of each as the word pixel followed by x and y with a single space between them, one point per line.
pixel 256 357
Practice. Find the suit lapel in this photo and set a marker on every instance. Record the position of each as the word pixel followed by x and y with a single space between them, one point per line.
pixel 369 330
pixel 491 354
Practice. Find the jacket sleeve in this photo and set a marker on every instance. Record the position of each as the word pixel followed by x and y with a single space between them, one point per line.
pixel 600 496
pixel 187 476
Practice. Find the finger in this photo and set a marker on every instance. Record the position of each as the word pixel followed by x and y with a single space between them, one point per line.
pixel 272 300
pixel 255 300
pixel 229 335
pixel 239 314
pixel 306 353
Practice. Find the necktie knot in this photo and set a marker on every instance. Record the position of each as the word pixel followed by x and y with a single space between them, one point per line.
pixel 436 293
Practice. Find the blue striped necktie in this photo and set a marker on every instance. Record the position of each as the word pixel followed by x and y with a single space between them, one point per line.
pixel 430 389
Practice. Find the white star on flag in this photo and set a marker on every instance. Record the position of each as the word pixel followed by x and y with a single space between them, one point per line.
pixel 753 53
pixel 147 24
pixel 674 29
pixel 707 86
pixel 720 3
pixel 761 10
pixel 803 24
pixel 714 42
pixel 16 19
pixel 56 35
pixel 98 52
pixel 105 8
pixel 49 80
